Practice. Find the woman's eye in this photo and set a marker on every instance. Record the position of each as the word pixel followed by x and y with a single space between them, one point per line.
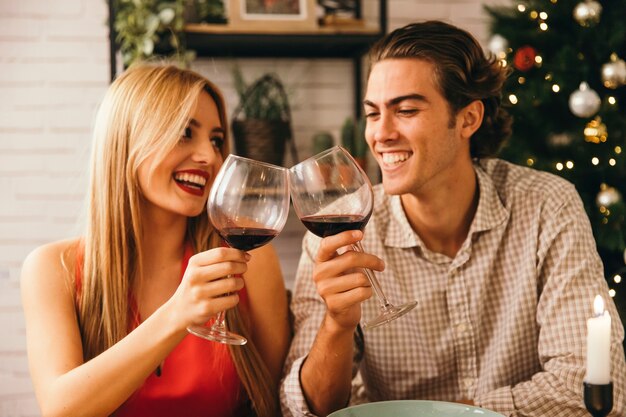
pixel 187 133
pixel 217 141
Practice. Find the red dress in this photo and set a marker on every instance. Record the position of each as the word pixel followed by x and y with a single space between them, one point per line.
pixel 198 378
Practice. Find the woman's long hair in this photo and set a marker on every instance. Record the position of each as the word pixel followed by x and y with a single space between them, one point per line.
pixel 144 113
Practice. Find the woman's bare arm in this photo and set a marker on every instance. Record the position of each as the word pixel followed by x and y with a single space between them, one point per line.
pixel 64 384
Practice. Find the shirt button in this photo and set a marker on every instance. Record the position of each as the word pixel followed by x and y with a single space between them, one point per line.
pixel 462 327
pixel 468 382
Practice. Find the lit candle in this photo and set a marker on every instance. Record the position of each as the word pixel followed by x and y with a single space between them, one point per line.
pixel 599 345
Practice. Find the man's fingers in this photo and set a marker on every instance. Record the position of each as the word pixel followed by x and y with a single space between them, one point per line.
pixel 341 284
pixel 329 245
pixel 339 303
pixel 346 263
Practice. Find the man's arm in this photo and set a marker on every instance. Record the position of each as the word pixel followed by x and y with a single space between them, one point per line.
pixel 571 274
pixel 327 300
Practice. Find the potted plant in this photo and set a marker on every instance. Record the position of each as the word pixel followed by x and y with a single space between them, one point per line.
pixel 261 122
pixel 321 141
pixel 353 139
pixel 150 27
pixel 145 26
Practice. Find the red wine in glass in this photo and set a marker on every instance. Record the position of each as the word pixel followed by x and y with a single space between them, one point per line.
pixel 248 206
pixel 331 194
pixel 331 224
pixel 247 238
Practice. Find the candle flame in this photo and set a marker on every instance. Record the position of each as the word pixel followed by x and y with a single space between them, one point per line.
pixel 598 306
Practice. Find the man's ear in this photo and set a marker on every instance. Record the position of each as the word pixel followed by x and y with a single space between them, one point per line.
pixel 471 118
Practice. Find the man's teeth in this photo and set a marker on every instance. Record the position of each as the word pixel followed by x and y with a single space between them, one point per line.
pixel 191 179
pixel 395 157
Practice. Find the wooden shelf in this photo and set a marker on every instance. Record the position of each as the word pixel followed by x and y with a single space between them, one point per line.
pixel 326 42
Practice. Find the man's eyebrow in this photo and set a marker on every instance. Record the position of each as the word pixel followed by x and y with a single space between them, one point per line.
pixel 397 100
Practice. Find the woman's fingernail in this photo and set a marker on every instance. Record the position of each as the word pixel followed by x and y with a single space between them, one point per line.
pixel 248 256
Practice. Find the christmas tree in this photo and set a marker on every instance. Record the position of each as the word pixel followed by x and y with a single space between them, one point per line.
pixel 567 94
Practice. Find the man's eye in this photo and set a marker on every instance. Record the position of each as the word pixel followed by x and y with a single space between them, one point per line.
pixel 217 141
pixel 407 112
pixel 371 114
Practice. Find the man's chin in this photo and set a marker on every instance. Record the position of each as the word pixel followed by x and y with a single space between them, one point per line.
pixel 392 187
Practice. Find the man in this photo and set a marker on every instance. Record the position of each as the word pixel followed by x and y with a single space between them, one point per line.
pixel 500 258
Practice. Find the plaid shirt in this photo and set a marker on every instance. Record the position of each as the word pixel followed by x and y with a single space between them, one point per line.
pixel 502 323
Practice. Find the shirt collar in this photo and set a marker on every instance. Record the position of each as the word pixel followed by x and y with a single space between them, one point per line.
pixel 489 214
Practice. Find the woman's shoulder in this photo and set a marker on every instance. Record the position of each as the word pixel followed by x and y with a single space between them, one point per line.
pixel 53 252
pixel 51 260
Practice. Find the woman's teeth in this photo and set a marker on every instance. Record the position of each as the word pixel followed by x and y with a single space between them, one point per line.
pixel 191 179
pixel 393 158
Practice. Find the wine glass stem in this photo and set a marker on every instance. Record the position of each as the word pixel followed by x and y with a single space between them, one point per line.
pixel 382 299
pixel 218 324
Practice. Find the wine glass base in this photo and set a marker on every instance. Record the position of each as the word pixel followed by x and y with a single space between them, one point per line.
pixel 390 313
pixel 214 335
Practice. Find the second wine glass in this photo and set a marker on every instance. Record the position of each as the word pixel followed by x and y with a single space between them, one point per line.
pixel 248 206
pixel 332 194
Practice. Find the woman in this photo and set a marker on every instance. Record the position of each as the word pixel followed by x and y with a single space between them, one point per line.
pixel 106 313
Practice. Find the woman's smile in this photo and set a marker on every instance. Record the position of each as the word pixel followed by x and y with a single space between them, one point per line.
pixel 192 181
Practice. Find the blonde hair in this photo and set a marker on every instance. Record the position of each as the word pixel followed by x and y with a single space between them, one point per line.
pixel 144 113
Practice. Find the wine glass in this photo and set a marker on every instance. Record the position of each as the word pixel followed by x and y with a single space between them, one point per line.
pixel 332 194
pixel 248 206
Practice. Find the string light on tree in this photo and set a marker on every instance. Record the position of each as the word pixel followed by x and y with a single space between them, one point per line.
pixel 584 102
pixel 607 196
pixel 560 139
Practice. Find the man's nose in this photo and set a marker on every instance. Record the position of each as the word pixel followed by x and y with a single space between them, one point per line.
pixel 385 128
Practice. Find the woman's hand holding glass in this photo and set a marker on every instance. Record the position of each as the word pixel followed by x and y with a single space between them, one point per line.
pixel 248 206
pixel 204 292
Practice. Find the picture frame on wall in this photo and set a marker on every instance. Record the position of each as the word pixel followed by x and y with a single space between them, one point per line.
pixel 272 15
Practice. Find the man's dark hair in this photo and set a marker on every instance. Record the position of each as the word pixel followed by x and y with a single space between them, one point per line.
pixel 462 73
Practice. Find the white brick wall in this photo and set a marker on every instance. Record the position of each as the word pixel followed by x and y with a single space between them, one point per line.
pixel 53 71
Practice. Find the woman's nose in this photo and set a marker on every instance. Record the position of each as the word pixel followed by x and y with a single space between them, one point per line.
pixel 205 153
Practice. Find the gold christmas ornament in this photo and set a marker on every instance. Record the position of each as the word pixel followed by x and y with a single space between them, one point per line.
pixel 614 72
pixel 588 13
pixel 607 196
pixel 584 102
pixel 595 131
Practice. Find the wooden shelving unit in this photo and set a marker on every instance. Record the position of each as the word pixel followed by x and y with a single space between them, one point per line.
pixel 340 42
